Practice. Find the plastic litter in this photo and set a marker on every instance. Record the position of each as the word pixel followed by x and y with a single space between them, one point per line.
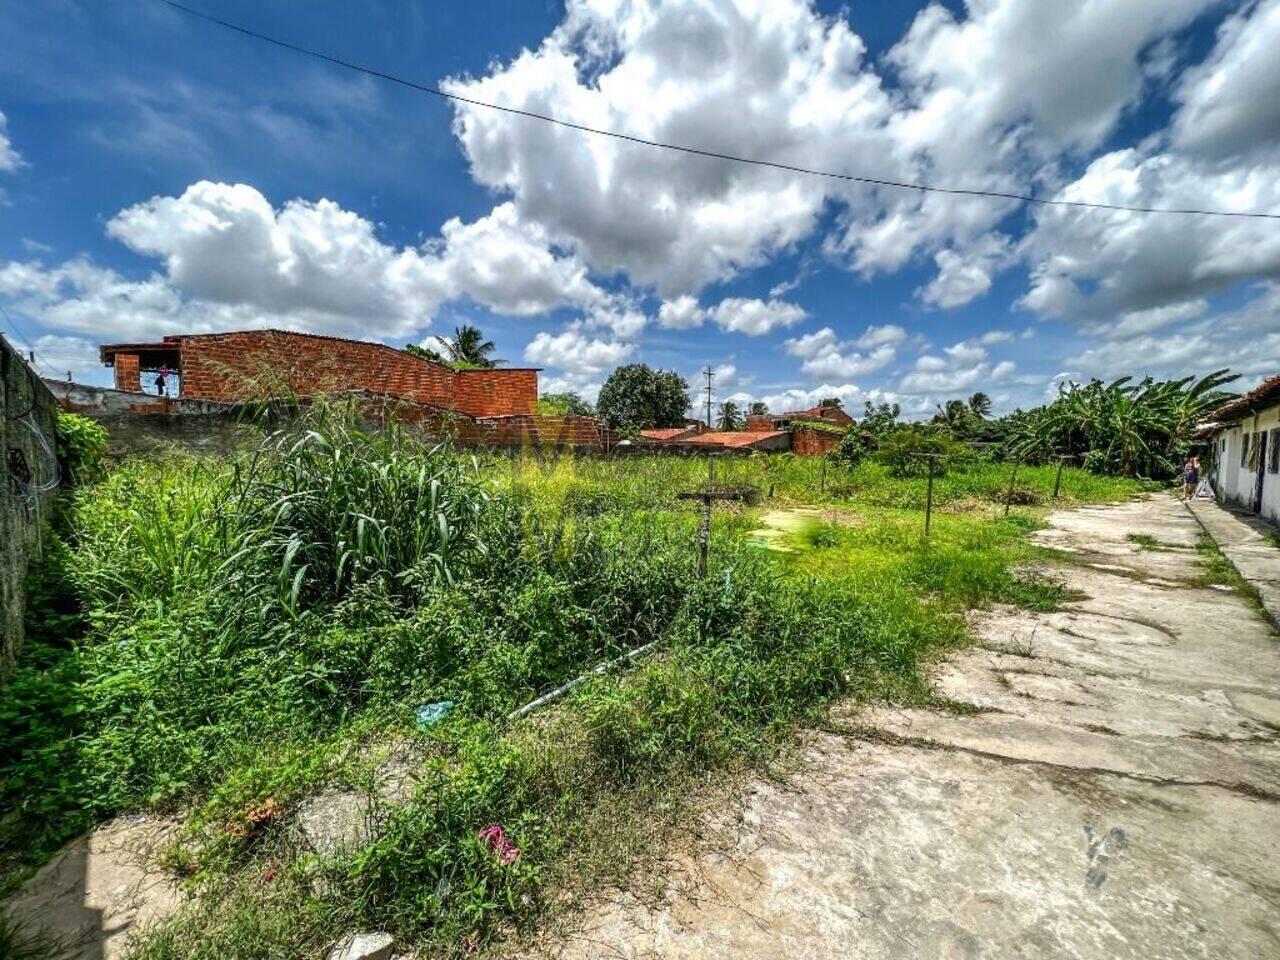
pixel 496 839
pixel 429 714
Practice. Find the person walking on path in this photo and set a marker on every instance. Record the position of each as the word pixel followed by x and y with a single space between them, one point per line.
pixel 1190 477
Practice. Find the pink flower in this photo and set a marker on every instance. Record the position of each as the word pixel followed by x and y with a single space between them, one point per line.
pixel 496 840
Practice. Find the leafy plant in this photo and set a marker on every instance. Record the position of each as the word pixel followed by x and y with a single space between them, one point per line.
pixel 1130 429
pixel 466 350
pixel 82 447
pixel 637 396
pixel 564 404
pixel 901 450
pixel 729 417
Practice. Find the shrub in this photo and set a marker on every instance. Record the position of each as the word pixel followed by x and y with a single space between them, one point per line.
pixel 900 450
pixel 852 448
pixel 82 447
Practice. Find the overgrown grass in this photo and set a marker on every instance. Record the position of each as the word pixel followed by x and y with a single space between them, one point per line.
pixel 245 632
pixel 1218 571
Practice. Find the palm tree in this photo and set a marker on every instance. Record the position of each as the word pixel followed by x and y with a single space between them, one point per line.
pixel 729 417
pixel 468 347
pixel 759 409
pixel 980 404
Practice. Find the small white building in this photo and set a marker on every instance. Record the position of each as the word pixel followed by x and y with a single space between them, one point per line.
pixel 1244 442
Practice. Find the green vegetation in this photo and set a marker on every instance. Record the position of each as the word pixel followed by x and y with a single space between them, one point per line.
pixel 1124 428
pixel 729 417
pixel 564 404
pixel 82 446
pixel 467 349
pixel 637 396
pixel 221 639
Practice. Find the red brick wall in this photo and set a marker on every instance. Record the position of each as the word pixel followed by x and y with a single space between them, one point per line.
pixel 759 424
pixel 515 431
pixel 496 393
pixel 128 372
pixel 808 442
pixel 835 415
pixel 257 364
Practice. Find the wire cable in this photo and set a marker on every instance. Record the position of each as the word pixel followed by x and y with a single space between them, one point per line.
pixel 27 342
pixel 695 151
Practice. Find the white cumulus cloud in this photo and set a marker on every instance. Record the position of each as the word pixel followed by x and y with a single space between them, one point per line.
pixel 576 353
pixel 9 158
pixel 824 355
pixel 755 317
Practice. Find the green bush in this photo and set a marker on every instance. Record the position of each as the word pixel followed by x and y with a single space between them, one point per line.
pixel 901 450
pixel 82 447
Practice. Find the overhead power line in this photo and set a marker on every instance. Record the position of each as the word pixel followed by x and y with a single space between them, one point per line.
pixel 27 341
pixel 697 152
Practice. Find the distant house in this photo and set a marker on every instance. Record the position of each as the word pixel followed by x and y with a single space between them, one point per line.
pixel 1244 441
pixel 783 421
pixel 742 440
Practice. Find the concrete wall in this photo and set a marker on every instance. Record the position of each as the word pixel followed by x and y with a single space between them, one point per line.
pixel 28 423
pixel 1236 482
pixel 146 424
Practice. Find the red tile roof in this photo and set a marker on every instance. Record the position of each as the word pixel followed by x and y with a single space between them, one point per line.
pixel 735 439
pixel 665 433
pixel 1265 394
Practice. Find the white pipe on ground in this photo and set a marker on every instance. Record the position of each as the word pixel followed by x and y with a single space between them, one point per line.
pixel 560 691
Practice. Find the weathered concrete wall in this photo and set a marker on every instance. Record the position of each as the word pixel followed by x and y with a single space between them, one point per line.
pixel 28 443
pixel 139 423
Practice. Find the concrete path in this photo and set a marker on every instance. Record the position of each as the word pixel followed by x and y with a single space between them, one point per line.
pixel 1243 540
pixel 1117 795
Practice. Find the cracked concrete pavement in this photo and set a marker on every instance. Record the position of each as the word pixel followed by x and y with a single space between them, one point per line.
pixel 1116 793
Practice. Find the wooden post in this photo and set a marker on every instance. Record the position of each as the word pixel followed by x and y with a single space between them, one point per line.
pixel 708 497
pixel 931 459
pixel 1008 499
pixel 1057 480
pixel 822 482
pixel 704 530
pixel 928 499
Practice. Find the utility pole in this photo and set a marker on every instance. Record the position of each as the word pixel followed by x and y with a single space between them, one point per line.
pixel 710 374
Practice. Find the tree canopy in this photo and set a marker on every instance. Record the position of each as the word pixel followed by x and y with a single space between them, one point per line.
pixel 466 350
pixel 637 396
pixel 1133 429
pixel 567 403
pixel 729 417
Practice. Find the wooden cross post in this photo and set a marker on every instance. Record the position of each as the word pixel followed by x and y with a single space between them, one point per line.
pixel 1008 498
pixel 708 496
pixel 1057 480
pixel 931 459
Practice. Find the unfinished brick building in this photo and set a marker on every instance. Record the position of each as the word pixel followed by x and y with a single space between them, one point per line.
pixel 255 364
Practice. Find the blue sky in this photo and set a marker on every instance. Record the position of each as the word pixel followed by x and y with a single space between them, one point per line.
pixel 160 174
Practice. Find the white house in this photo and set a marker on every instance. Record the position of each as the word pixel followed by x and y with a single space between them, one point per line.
pixel 1245 444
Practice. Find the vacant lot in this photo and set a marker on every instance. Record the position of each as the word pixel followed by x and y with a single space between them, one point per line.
pixel 305 658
